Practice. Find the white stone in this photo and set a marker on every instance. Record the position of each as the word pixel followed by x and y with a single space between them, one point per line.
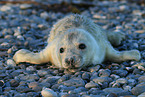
pixel 5 8
pixel 47 92
pixel 25 6
pixel 10 62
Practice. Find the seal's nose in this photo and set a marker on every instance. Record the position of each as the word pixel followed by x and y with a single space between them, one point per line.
pixel 70 61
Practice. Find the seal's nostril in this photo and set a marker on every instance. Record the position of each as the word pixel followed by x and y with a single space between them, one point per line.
pixel 69 61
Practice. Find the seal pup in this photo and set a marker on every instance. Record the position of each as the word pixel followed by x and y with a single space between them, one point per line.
pixel 76 41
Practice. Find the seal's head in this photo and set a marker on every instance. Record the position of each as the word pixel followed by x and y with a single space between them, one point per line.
pixel 75 49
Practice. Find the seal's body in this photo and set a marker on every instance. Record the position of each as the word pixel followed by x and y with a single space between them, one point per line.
pixel 76 41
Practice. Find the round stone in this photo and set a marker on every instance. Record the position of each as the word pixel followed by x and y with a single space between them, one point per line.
pixel 47 92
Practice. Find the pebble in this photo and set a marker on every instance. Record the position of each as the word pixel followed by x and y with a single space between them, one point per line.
pixel 122 81
pixel 76 82
pixel 30 68
pixel 42 73
pixel 102 79
pixel 113 90
pixel 14 83
pixel 5 44
pixel 5 8
pixel 121 73
pixel 86 76
pixel 104 73
pixel 47 92
pixel 92 69
pixel 141 95
pixel 11 63
pixel 141 79
pixel 2 83
pixel 91 85
pixel 137 90
pixel 51 79
pixel 25 6
pixel 44 15
pixel 96 91
pixel 19 37
pixel 127 88
pixel 33 84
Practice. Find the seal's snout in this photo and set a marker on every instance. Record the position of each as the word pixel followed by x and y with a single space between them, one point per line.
pixel 70 61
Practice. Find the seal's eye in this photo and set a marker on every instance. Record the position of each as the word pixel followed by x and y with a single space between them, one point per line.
pixel 82 46
pixel 61 50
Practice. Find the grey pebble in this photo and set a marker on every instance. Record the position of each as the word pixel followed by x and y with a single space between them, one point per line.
pixel 117 91
pixel 96 91
pixel 14 83
pixel 11 63
pixel 33 84
pixel 91 85
pixel 52 79
pixel 76 82
pixel 104 73
pixel 70 95
pixel 122 81
pixel 5 8
pixel 141 79
pixel 25 6
pixel 30 69
pixel 102 79
pixel 92 69
pixel 137 90
pixel 141 95
pixel 86 76
pixel 44 15
pixel 23 89
pixel 121 73
pixel 42 73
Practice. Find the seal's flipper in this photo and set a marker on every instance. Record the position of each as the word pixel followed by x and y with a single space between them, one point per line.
pixel 119 56
pixel 24 55
pixel 115 38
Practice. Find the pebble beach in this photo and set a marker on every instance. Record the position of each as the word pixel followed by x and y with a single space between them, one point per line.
pixel 26 25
